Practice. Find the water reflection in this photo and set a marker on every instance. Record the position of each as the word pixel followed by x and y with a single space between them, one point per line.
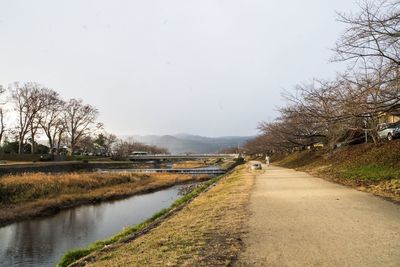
pixel 41 242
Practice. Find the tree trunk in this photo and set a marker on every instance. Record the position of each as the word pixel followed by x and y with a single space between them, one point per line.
pixel 32 139
pixel 72 143
pixel 72 148
pixel 33 147
pixel 59 142
pixel 51 145
pixel 20 145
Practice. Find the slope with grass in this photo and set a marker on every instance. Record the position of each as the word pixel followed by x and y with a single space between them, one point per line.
pixel 190 164
pixel 368 167
pixel 207 231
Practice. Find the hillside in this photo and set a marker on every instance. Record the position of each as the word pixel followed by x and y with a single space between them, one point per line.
pixel 186 143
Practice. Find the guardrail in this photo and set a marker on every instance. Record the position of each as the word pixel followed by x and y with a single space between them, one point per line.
pixel 188 156
pixel 178 171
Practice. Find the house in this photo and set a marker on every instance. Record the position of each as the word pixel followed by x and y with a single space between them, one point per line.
pixel 392 116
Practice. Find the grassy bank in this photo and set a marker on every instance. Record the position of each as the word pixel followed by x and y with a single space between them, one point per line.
pixel 62 166
pixel 35 194
pixel 367 167
pixel 205 232
pixel 190 164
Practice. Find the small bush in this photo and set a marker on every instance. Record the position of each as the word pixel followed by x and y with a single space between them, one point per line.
pixel 73 256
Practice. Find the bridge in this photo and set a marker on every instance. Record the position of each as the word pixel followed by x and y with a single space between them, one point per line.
pixel 213 171
pixel 180 157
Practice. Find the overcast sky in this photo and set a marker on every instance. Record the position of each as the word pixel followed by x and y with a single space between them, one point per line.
pixel 208 67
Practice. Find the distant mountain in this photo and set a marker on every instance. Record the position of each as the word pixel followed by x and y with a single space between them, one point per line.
pixel 187 143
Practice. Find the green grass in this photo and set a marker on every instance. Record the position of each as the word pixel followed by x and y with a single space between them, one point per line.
pixel 371 173
pixel 76 254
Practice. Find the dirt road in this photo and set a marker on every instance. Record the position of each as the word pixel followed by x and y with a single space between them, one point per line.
pixel 300 220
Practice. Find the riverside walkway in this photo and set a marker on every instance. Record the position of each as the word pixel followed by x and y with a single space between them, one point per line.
pixel 300 220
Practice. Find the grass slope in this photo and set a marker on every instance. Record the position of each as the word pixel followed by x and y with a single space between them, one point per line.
pixel 368 167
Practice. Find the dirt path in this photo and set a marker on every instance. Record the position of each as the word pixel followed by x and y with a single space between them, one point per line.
pixel 300 220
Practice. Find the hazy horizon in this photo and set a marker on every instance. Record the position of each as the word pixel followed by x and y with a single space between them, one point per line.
pixel 180 134
pixel 209 68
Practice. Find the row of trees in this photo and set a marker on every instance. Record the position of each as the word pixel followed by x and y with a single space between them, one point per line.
pixel 354 103
pixel 38 111
pixel 123 148
pixel 42 110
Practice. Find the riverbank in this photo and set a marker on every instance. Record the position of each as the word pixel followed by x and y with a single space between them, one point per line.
pixel 38 194
pixel 208 230
pixel 191 164
pixel 366 167
pixel 63 166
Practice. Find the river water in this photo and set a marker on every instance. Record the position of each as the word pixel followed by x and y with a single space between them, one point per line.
pixel 43 241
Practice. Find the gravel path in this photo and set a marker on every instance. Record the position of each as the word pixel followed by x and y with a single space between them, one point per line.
pixel 300 220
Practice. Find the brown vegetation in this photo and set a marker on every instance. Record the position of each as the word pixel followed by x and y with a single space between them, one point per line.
pixel 34 194
pixel 190 164
pixel 206 232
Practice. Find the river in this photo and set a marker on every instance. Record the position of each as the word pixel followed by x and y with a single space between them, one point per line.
pixel 43 241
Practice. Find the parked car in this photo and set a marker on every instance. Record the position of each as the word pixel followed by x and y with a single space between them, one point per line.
pixel 256 166
pixel 387 130
pixel 396 131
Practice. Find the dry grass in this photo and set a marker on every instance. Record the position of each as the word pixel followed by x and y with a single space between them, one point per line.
pixel 32 186
pixel 190 164
pixel 206 232
pixel 34 194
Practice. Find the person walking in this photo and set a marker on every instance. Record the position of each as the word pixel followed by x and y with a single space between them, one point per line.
pixel 267 160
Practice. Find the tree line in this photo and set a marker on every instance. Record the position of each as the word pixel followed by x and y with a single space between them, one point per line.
pixel 40 111
pixel 350 106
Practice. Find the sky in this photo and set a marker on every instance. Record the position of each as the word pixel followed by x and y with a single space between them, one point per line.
pixel 207 67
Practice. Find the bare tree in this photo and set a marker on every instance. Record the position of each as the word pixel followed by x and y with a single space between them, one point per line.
pixel 2 116
pixel 348 108
pixel 106 141
pixel 2 124
pixel 51 119
pixel 79 118
pixel 28 102
pixel 111 139
pixel 374 32
pixel 124 147
pixel 261 145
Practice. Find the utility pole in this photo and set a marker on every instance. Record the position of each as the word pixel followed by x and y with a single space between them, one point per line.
pixel 366 132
